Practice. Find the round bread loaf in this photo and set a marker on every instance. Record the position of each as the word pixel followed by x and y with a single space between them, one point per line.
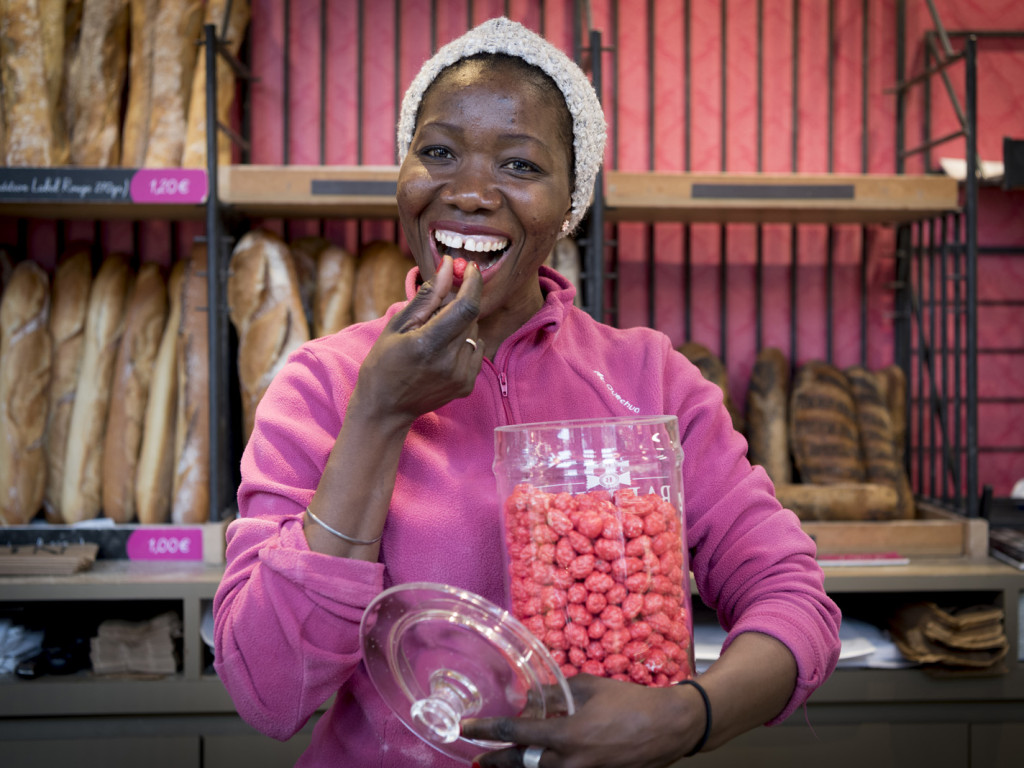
pixel 767 417
pixel 380 279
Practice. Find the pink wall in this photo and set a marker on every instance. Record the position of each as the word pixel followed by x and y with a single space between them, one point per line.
pixel 365 78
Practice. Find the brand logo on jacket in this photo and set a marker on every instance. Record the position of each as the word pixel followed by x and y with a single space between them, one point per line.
pixel 622 401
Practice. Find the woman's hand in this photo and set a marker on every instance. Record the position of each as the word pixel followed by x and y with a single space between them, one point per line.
pixel 422 359
pixel 616 724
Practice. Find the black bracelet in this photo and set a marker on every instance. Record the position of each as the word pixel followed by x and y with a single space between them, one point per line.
pixel 707 708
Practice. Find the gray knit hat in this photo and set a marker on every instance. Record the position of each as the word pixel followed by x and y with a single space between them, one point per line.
pixel 501 35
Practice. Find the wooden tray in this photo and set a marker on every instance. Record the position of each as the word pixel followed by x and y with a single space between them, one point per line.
pixel 935 532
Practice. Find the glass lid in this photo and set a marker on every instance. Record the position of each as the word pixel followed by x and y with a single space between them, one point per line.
pixel 437 654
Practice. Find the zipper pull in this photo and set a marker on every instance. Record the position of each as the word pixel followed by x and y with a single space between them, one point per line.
pixel 503 382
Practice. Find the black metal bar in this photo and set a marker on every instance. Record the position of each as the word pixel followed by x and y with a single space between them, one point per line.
pixel 865 52
pixel 971 274
pixel 901 97
pixel 831 131
pixel 323 87
pixel 286 86
pixel 958 335
pixel 595 250
pixel 829 291
pixel 924 75
pixel 925 147
pixel 939 28
pixel 945 354
pixel 216 321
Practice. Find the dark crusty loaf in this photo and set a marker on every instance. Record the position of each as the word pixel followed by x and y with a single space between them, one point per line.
pixel 266 310
pixel 380 279
pixel 69 305
pixel 81 494
pixel 24 379
pixel 823 426
pixel 877 441
pixel 767 415
pixel 190 500
pixel 713 369
pixel 145 316
pixel 839 501
pixel 155 471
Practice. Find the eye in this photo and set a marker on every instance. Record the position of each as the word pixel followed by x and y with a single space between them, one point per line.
pixel 436 153
pixel 521 166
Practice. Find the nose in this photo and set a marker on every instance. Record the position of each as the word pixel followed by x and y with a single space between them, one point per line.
pixel 472 187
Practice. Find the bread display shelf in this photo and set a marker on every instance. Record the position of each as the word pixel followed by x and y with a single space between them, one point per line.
pixel 103 193
pixel 776 197
pixel 934 532
pixel 310 191
pixel 369 192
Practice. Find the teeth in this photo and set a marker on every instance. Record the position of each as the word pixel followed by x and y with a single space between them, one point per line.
pixel 474 243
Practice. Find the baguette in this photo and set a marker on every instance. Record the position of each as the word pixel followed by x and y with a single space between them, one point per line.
pixel 380 280
pixel 767 418
pixel 823 426
pixel 839 501
pixel 142 14
pixel 96 79
pixel 145 316
pixel 335 281
pixel 713 369
pixel 266 310
pixel 178 26
pixel 81 494
pixel 68 308
pixel 53 15
pixel 194 152
pixel 155 471
pixel 28 113
pixel 24 379
pixel 190 500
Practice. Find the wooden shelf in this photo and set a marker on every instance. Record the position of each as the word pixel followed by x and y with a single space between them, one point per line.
pixel 775 198
pixel 310 191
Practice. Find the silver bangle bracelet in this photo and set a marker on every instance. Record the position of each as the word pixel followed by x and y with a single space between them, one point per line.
pixel 339 534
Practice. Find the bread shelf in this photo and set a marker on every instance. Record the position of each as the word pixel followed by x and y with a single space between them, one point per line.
pixel 775 197
pixel 310 191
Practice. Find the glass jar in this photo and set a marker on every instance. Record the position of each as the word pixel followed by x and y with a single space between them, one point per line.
pixel 595 544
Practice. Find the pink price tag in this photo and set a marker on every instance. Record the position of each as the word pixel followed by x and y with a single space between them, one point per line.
pixel 169 185
pixel 165 544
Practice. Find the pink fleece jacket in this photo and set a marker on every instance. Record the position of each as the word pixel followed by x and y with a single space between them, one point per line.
pixel 287 619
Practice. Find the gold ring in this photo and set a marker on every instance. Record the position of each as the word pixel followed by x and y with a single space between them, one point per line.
pixel 471 343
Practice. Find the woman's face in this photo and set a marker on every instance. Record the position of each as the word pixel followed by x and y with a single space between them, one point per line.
pixel 487 179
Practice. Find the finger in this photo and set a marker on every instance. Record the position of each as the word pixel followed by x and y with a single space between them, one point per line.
pixel 457 320
pixel 520 730
pixel 428 299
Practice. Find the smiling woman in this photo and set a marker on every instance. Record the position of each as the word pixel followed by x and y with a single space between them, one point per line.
pixel 370 462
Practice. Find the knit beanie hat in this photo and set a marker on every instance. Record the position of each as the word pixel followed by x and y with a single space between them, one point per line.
pixel 501 35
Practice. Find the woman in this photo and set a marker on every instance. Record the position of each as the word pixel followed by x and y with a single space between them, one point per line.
pixel 370 462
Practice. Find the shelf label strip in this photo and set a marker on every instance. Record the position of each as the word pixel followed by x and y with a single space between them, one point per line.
pixel 178 186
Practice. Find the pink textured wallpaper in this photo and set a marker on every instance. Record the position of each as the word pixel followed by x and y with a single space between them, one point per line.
pixel 667 108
